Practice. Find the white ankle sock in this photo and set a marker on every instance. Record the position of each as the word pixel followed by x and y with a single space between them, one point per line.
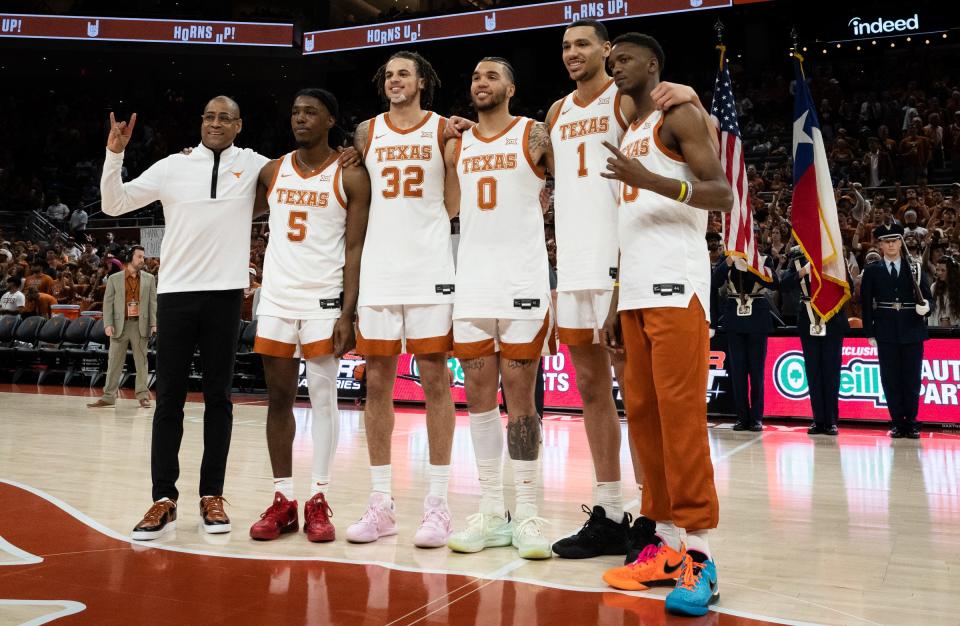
pixel 284 486
pixel 526 485
pixel 381 477
pixel 439 477
pixel 669 534
pixel 610 497
pixel 486 431
pixel 697 540
pixel 319 484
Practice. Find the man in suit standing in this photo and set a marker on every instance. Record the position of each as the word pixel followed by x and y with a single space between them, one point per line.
pixel 822 344
pixel 893 320
pixel 129 317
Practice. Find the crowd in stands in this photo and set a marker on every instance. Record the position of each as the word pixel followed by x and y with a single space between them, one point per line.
pixel 892 135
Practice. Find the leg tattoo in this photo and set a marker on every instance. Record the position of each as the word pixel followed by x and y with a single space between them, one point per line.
pixel 523 438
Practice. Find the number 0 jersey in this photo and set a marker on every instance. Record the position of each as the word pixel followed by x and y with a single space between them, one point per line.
pixel 303 266
pixel 408 253
pixel 502 258
pixel 585 203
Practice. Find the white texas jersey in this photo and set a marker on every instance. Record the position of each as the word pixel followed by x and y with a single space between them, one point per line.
pixel 585 203
pixel 663 254
pixel 502 267
pixel 408 253
pixel 303 266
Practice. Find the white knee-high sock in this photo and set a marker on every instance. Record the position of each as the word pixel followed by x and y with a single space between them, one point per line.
pixel 486 431
pixel 322 385
pixel 527 487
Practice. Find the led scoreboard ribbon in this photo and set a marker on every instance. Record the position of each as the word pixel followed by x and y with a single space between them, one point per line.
pixel 493 21
pixel 145 30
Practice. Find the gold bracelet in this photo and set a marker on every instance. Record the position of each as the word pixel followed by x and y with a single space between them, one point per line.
pixel 616 284
pixel 683 191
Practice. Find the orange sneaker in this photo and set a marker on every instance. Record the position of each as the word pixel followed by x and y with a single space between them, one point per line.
pixel 656 565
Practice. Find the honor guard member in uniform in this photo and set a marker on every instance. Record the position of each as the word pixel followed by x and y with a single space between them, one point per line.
pixel 896 299
pixel 746 319
pixel 822 344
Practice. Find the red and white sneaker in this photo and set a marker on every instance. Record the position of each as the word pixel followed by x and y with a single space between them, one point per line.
pixel 279 519
pixel 316 519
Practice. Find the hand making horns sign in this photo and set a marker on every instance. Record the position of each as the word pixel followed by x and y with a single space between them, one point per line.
pixel 626 170
pixel 120 133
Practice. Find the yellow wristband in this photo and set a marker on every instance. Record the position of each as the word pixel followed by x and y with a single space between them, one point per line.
pixel 683 190
pixel 617 284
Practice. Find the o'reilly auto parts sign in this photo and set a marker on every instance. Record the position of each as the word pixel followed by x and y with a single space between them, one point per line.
pixel 883 26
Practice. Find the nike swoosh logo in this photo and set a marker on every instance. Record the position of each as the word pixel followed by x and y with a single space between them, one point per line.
pixel 565 112
pixel 285 175
pixel 669 569
pixel 380 136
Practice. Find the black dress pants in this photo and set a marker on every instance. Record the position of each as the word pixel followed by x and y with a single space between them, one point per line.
pixel 901 365
pixel 209 320
pixel 822 357
pixel 747 354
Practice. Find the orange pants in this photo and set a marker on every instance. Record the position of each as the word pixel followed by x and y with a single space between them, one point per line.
pixel 666 381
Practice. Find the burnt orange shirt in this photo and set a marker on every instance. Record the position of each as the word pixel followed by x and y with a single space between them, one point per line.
pixel 41 306
pixel 42 282
pixel 131 290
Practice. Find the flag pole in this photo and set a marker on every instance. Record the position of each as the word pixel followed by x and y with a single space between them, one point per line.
pixel 718 27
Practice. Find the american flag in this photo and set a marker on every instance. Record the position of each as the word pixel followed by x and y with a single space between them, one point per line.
pixel 738 237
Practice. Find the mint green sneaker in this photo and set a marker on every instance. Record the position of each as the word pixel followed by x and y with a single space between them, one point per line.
pixel 530 540
pixel 484 530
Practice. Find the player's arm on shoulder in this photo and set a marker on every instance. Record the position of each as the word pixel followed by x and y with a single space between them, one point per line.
pixel 685 127
pixel 266 177
pixel 628 110
pixel 667 95
pixel 540 147
pixel 356 183
pixel 360 137
pixel 451 182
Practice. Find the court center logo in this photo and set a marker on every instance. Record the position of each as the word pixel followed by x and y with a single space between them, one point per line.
pixel 859 379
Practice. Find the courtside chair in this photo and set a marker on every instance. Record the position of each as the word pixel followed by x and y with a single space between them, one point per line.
pixel 48 336
pixel 75 342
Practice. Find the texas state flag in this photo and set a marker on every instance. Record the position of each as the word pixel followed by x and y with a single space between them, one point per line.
pixel 814 213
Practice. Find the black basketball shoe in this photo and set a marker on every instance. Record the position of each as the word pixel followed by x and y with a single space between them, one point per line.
pixel 599 536
pixel 642 534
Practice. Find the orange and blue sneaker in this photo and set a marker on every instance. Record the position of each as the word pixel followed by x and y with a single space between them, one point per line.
pixel 656 565
pixel 696 588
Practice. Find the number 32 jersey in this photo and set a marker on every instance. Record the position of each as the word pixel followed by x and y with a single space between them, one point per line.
pixel 303 266
pixel 407 254
pixel 502 267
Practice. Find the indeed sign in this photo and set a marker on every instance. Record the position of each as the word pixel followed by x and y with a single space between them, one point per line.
pixel 880 26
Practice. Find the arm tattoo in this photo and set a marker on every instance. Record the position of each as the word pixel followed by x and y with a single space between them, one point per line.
pixel 472 364
pixel 523 438
pixel 360 136
pixel 519 363
pixel 539 141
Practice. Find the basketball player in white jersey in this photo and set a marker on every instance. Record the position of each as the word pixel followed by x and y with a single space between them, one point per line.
pixel 586 225
pixel 406 288
pixel 501 319
pixel 670 177
pixel 318 217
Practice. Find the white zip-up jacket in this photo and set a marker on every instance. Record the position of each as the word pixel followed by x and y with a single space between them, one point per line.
pixel 207 208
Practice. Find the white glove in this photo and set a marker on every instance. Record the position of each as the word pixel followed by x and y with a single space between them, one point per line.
pixel 712 333
pixel 740 264
pixel 873 341
pixel 923 309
